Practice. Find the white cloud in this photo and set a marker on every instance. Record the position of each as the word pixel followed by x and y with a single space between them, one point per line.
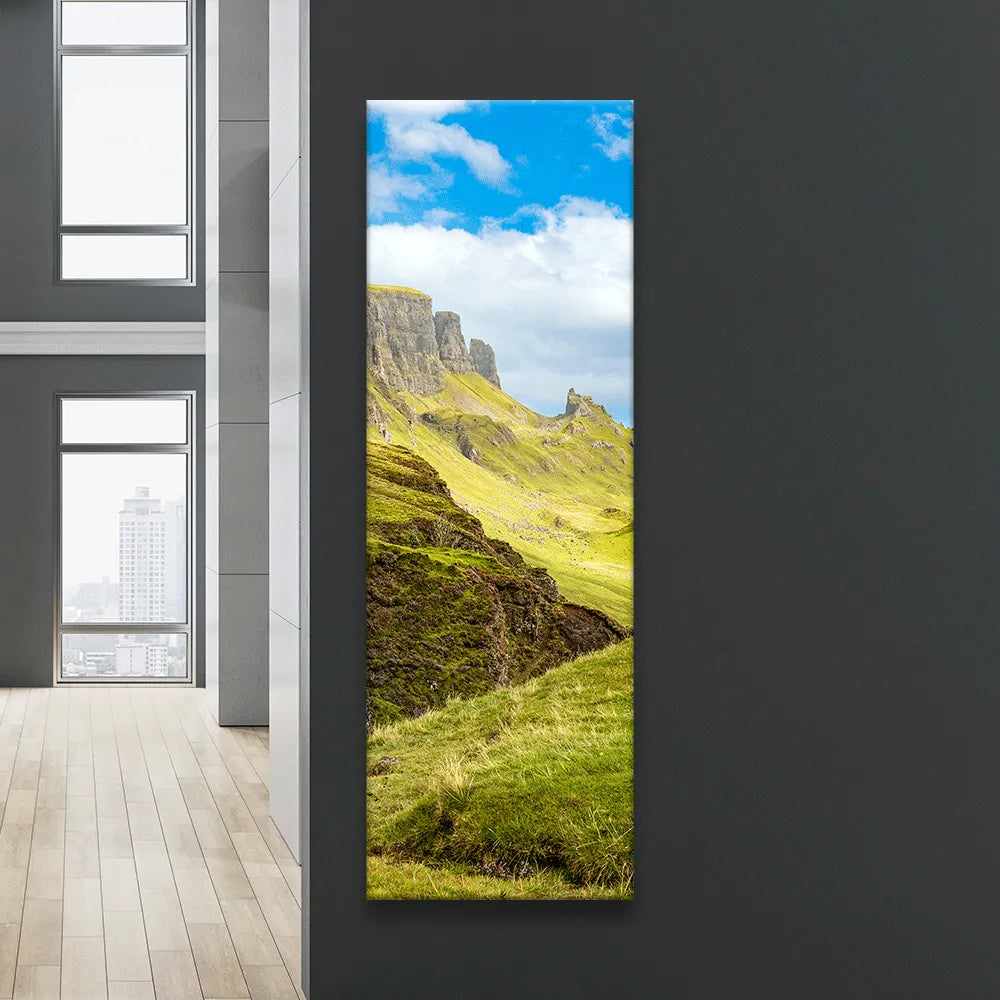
pixel 420 109
pixel 415 132
pixel 555 302
pixel 387 187
pixel 615 134
pixel 422 140
pixel 440 216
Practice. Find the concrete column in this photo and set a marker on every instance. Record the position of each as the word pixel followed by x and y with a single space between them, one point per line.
pixel 236 361
pixel 288 411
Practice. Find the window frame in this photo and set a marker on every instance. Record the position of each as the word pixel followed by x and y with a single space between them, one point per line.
pixel 188 628
pixel 188 229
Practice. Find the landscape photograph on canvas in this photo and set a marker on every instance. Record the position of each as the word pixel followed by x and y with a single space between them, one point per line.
pixel 499 707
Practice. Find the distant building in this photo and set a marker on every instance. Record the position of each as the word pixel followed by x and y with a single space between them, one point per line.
pixel 156 661
pixel 142 558
pixel 152 579
pixel 140 659
pixel 175 563
pixel 96 600
pixel 98 663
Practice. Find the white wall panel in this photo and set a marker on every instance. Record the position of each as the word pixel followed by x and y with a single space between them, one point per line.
pixel 288 533
pixel 284 563
pixel 285 640
pixel 284 85
pixel 286 289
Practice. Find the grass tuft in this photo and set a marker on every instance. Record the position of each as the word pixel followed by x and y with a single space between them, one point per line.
pixel 528 786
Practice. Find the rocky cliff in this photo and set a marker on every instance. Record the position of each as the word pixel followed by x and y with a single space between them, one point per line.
pixel 582 406
pixel 484 361
pixel 402 346
pixel 451 343
pixel 410 347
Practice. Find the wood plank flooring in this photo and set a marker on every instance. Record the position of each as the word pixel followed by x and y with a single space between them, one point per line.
pixel 137 857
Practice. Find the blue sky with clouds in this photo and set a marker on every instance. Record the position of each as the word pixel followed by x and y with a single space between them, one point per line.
pixel 518 216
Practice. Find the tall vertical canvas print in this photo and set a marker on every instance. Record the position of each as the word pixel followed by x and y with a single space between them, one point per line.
pixel 499 500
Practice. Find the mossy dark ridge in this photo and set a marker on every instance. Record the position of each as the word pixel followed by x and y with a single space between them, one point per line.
pixel 450 611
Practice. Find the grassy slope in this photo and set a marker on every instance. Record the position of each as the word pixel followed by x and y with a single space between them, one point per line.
pixel 563 504
pixel 445 619
pixel 523 792
pixel 412 880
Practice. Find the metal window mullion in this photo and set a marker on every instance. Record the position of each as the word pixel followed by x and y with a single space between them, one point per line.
pixel 185 2
pixel 125 449
pixel 120 394
pixel 124 50
pixel 126 628
pixel 189 138
pixel 126 680
pixel 191 542
pixel 137 282
pixel 134 681
pixel 167 229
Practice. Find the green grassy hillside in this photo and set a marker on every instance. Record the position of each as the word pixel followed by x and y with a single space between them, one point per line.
pixel 524 792
pixel 450 611
pixel 558 489
pixel 499 600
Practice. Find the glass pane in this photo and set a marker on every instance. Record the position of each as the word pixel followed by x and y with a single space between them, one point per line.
pixel 124 421
pixel 117 23
pixel 110 257
pixel 161 654
pixel 124 538
pixel 124 140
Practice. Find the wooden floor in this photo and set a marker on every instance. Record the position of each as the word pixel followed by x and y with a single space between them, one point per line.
pixel 137 858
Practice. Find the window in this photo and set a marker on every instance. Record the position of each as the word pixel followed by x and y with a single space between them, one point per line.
pixel 125 587
pixel 124 141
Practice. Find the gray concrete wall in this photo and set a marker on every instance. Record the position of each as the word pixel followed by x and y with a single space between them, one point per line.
pixel 28 291
pixel 28 385
pixel 236 361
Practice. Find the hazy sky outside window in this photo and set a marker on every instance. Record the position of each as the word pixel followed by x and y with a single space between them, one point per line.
pixel 146 22
pixel 93 489
pixel 124 140
pixel 124 421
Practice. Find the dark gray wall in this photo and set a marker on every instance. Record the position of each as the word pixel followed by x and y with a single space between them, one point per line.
pixel 28 292
pixel 817 491
pixel 27 458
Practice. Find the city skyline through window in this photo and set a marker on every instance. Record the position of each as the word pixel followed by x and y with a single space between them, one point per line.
pixel 102 523
pixel 124 538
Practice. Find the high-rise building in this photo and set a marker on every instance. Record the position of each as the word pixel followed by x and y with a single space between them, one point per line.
pixel 142 558
pixel 175 545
